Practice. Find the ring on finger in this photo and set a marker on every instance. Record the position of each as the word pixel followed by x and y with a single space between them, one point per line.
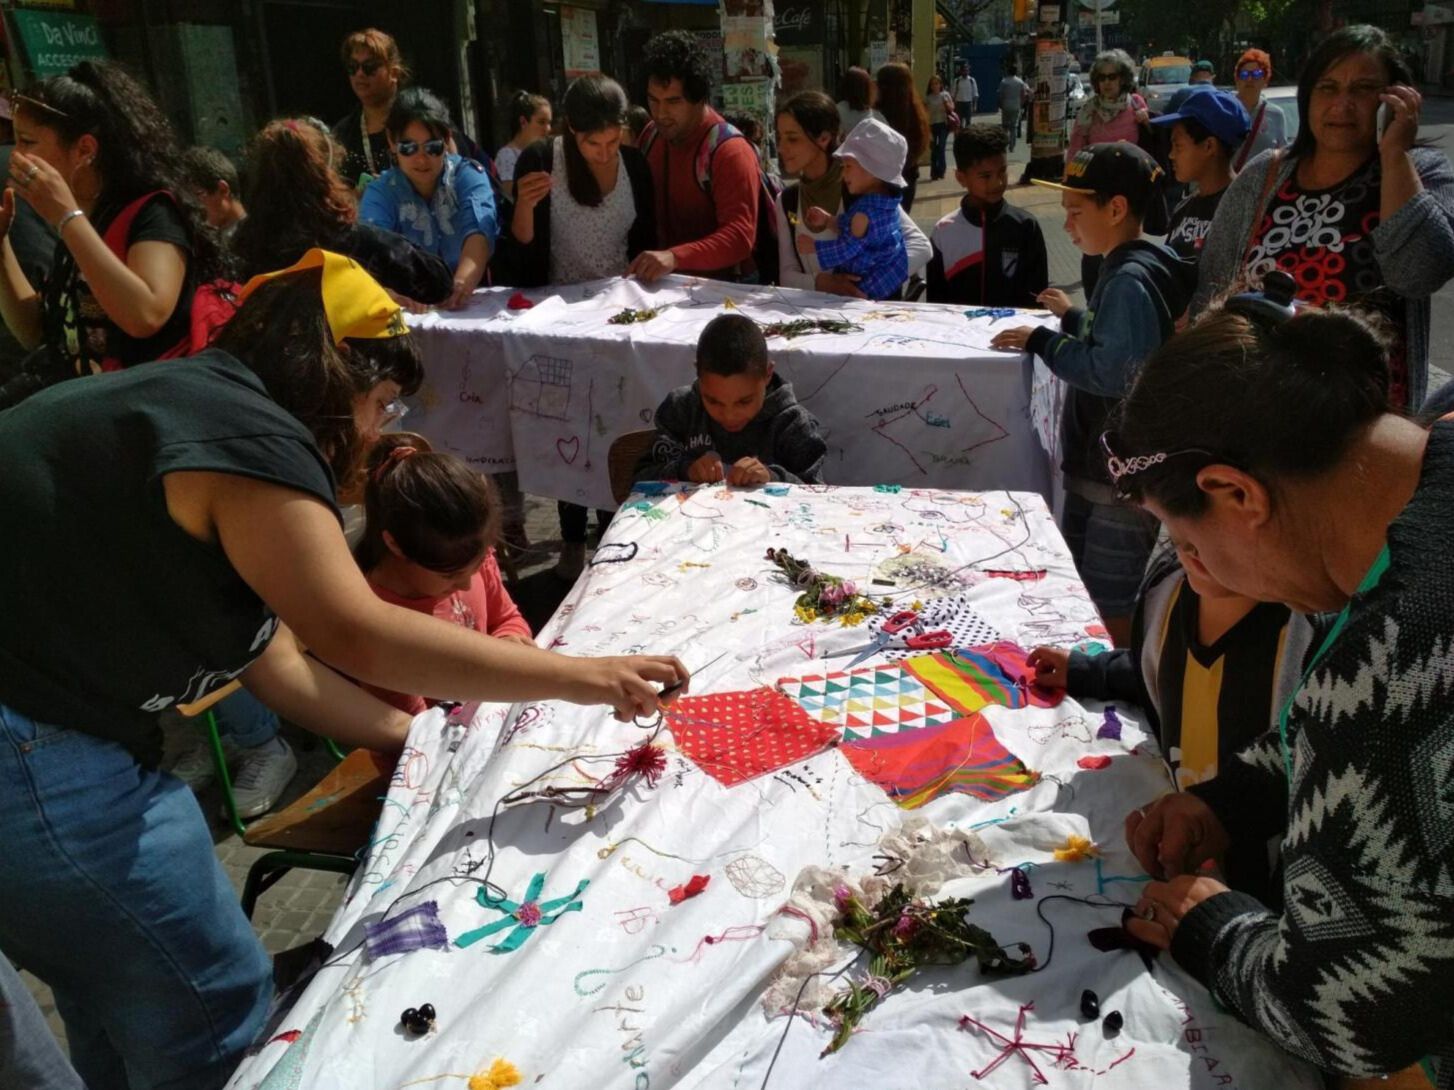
pixel 31 173
pixel 1149 912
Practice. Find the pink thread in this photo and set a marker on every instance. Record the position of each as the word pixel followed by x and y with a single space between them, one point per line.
pixel 789 910
pixel 1060 1055
pixel 528 914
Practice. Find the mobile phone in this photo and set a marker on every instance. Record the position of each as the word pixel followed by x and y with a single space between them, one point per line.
pixel 1385 115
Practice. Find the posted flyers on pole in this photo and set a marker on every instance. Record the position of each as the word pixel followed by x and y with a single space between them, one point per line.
pixel 1047 118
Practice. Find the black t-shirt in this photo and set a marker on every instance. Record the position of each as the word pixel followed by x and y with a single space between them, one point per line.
pixel 1190 223
pixel 78 332
pixel 112 611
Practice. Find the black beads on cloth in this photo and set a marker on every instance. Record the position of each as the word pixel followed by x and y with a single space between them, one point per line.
pixel 1113 1023
pixel 1090 1005
pixel 418 1021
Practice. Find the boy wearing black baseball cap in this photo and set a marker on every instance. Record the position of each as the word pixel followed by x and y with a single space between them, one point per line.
pixel 1205 134
pixel 1143 288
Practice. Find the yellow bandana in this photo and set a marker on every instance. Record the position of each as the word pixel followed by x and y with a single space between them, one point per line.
pixel 353 301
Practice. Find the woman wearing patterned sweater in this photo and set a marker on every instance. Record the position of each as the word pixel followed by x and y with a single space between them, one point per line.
pixel 1265 446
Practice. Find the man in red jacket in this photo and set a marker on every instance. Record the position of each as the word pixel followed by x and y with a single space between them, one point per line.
pixel 706 231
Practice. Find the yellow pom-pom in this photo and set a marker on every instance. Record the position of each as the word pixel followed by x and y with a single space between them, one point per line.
pixel 1076 849
pixel 501 1074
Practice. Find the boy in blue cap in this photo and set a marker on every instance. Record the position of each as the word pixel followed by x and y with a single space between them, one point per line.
pixel 1206 132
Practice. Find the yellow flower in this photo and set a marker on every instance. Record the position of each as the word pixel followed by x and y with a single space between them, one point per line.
pixel 1076 849
pixel 805 613
pixel 501 1074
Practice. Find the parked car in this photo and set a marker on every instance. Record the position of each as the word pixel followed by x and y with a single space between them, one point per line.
pixel 1161 77
pixel 1285 99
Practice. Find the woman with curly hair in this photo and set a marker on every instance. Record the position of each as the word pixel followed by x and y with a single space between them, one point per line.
pixel 97 160
pixel 903 111
pixel 1114 111
pixel 296 200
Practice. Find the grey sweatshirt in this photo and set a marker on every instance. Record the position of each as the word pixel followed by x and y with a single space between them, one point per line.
pixel 783 436
pixel 1414 246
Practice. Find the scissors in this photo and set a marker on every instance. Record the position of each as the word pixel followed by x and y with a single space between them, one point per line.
pixel 897 627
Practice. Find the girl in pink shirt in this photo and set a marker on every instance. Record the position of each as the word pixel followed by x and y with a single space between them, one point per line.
pixel 428 545
pixel 1114 110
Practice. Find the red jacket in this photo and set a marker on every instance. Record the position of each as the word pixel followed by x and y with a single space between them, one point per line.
pixel 708 232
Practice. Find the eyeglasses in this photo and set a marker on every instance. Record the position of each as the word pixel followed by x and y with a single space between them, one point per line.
pixel 1252 73
pixel 367 67
pixel 393 412
pixel 1120 468
pixel 1096 77
pixel 434 148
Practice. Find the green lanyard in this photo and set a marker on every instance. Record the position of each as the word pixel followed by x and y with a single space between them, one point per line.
pixel 1375 573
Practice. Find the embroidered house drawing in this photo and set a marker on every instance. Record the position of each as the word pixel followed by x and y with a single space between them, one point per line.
pixel 542 387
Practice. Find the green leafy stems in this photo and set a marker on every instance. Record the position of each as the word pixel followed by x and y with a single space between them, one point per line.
pixel 903 935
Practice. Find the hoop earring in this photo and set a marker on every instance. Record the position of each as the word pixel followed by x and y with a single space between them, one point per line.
pixel 75 189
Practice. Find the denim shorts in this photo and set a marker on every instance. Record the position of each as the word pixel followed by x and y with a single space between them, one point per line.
pixel 1111 543
pixel 111 893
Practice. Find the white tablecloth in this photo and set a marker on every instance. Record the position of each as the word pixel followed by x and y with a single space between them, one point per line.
pixel 632 991
pixel 917 397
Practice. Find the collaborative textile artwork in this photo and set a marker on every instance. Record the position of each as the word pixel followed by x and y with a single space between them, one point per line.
pixel 738 736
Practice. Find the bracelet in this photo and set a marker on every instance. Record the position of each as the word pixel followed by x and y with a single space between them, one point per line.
pixel 61 223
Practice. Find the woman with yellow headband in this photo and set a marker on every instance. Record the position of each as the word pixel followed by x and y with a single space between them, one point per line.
pixel 206 491
pixel 94 152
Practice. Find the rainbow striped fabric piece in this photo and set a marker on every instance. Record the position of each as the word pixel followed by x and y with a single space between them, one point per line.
pixel 972 678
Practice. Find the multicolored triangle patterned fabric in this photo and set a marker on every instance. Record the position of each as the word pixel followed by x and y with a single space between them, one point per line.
pixel 871 701
pixel 915 767
pixel 737 736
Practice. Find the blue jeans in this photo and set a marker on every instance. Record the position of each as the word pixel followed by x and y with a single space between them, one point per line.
pixel 29 1055
pixel 246 719
pixel 110 892
pixel 937 164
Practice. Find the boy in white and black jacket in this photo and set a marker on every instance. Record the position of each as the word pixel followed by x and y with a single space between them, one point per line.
pixel 987 253
pixel 739 422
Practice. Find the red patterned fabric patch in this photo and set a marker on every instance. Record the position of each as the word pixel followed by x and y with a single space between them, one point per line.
pixel 734 737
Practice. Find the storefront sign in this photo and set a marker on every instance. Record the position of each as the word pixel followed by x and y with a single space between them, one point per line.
pixel 54 41
pixel 798 22
pixel 579 42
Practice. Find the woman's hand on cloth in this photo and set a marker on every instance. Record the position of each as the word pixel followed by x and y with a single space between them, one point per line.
pixel 1163 905
pixel 652 265
pixel 1404 104
pixel 1175 835
pixel 628 684
pixel 42 186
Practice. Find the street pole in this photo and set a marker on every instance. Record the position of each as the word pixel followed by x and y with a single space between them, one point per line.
pixel 1100 43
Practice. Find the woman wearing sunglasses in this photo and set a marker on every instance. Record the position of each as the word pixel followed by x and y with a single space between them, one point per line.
pixel 436 199
pixel 1114 111
pixel 1269 127
pixel 375 73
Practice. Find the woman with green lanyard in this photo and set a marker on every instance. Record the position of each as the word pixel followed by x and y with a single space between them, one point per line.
pixel 1262 439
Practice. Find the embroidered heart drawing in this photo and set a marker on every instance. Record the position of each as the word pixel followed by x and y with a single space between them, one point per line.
pixel 568 449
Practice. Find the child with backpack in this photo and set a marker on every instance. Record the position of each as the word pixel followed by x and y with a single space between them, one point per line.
pixel 429 544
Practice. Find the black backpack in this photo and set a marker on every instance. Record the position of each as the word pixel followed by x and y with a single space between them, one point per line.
pixel 765 242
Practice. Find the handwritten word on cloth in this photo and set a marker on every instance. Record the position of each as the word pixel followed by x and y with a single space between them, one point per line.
pixel 914 767
pixel 737 736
